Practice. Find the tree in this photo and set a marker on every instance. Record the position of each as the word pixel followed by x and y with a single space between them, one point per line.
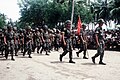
pixel 83 9
pixel 107 9
pixel 115 10
pixel 34 12
pixel 2 20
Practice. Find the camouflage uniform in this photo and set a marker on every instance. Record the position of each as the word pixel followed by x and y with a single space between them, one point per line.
pixel 2 45
pixel 9 43
pixel 41 41
pixel 67 41
pixel 46 42
pixel 100 49
pixel 21 40
pixel 16 41
pixel 74 40
pixel 83 42
pixel 28 38
pixel 34 41
pixel 51 43
pixel 37 39
pixel 57 41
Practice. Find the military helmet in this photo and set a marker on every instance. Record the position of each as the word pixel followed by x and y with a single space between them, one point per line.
pixel 41 30
pixel 0 30
pixel 36 29
pixel 100 21
pixel 15 28
pixel 20 30
pixel 68 21
pixel 9 27
pixel 45 27
pixel 68 24
pixel 28 27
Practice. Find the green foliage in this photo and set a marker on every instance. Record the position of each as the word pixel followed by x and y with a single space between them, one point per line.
pixel 2 20
pixel 115 10
pixel 33 12
pixel 84 12
pixel 109 9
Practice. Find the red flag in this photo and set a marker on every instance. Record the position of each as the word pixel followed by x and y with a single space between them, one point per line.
pixel 79 25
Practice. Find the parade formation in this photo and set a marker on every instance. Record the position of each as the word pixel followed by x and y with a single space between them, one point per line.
pixel 60 40
pixel 45 39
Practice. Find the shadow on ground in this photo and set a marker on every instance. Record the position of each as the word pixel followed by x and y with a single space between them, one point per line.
pixel 3 59
pixel 55 62
pixel 77 58
pixel 88 64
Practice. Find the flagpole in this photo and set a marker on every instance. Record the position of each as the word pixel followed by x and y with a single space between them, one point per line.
pixel 72 13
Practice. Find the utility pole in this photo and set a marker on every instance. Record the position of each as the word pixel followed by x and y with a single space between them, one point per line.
pixel 72 13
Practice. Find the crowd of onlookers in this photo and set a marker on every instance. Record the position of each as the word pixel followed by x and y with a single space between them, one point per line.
pixel 112 39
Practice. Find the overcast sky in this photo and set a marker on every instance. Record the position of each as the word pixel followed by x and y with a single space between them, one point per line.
pixel 10 8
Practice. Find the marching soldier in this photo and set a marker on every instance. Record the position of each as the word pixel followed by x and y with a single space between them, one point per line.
pixel 41 40
pixel 2 45
pixel 3 33
pixel 46 39
pixel 37 39
pixel 21 40
pixel 34 40
pixel 74 40
pixel 57 40
pixel 40 36
pixel 83 42
pixel 99 36
pixel 16 41
pixel 66 39
pixel 9 42
pixel 51 37
pixel 28 39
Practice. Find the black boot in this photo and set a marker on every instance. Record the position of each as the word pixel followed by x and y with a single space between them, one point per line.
pixel 77 53
pixel 47 53
pixel 30 56
pixel 12 59
pixel 70 61
pixel 6 55
pixel 16 54
pixel 85 57
pixel 23 53
pixel 102 63
pixel 16 51
pixel 2 53
pixel 38 52
pixel 60 57
pixel 93 60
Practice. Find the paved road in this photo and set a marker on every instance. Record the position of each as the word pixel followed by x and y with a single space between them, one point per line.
pixel 42 67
